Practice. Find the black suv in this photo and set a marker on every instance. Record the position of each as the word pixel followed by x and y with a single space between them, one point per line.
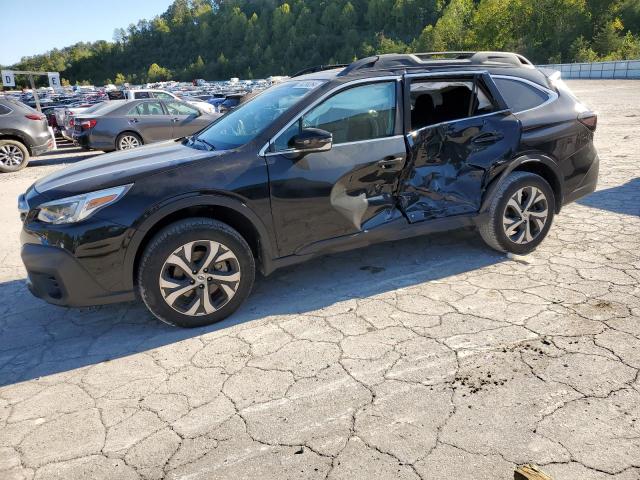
pixel 389 147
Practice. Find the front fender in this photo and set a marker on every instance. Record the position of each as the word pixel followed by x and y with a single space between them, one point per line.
pixel 169 206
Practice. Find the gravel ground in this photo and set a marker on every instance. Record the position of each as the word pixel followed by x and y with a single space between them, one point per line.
pixel 427 358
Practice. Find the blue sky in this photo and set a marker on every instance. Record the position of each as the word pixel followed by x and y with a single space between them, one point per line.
pixel 36 26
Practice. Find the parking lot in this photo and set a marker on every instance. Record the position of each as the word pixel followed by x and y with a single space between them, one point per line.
pixel 433 357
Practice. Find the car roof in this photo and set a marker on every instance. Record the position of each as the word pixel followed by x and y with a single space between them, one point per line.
pixel 496 63
pixel 320 75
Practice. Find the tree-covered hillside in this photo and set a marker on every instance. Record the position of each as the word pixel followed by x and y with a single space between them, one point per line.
pixel 217 39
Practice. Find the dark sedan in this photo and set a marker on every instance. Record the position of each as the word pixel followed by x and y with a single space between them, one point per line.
pixel 122 124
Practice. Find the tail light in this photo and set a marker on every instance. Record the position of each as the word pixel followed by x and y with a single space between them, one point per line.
pixel 71 123
pixel 589 120
pixel 88 124
pixel 34 116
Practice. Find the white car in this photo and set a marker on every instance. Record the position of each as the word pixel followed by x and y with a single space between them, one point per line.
pixel 164 95
pixel 64 117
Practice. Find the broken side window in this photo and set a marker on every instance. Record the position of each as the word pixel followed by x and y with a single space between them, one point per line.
pixel 434 102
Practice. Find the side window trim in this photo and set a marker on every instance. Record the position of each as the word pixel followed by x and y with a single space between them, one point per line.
pixel 264 151
pixel 139 105
pixel 551 95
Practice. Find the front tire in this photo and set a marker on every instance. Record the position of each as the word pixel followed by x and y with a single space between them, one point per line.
pixel 14 156
pixel 520 214
pixel 195 272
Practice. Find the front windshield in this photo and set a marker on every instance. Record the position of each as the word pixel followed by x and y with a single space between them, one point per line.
pixel 243 124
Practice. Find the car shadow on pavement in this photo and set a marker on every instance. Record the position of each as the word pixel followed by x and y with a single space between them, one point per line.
pixel 62 156
pixel 623 199
pixel 37 339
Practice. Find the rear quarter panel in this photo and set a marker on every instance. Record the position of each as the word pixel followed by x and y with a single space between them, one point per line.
pixel 554 130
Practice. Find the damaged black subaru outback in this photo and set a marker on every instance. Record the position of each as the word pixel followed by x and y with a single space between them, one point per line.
pixel 388 147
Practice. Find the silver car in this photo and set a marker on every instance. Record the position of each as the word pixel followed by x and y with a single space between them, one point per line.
pixel 23 132
pixel 125 124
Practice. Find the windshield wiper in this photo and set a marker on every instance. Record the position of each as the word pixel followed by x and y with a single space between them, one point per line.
pixel 193 139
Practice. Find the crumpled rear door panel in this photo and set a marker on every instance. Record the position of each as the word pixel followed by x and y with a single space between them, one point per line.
pixel 447 165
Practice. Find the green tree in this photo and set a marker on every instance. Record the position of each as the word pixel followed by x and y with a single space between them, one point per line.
pixel 452 30
pixel 581 51
pixel 156 73
pixel 218 39
pixel 495 25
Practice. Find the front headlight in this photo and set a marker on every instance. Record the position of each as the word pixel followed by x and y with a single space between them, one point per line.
pixel 79 207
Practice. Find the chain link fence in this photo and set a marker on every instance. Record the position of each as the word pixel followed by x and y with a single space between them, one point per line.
pixel 619 70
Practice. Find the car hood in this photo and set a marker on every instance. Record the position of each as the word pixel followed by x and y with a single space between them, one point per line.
pixel 118 168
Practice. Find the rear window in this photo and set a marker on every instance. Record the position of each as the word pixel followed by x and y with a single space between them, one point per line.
pixel 163 96
pixel 18 105
pixel 520 96
pixel 116 95
pixel 104 107
pixel 95 108
pixel 4 110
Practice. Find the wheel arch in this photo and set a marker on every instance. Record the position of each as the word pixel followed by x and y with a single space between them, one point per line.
pixel 137 134
pixel 537 163
pixel 219 207
pixel 17 137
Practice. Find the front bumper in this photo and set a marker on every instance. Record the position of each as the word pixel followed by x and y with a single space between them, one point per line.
pixel 55 276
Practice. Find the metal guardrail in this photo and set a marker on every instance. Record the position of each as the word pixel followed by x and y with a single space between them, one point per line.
pixel 614 70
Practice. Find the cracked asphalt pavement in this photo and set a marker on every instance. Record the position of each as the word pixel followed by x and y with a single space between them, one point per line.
pixel 427 358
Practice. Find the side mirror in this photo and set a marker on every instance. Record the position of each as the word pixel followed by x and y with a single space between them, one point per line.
pixel 312 140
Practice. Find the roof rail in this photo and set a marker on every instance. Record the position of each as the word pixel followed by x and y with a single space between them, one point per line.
pixel 397 61
pixel 319 68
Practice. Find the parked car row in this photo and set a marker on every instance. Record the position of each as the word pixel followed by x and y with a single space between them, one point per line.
pixel 120 120
pixel 61 105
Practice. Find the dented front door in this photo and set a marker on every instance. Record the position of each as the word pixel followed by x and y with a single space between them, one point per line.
pixel 330 194
pixel 323 195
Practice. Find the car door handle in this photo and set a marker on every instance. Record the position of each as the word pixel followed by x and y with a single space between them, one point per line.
pixel 134 120
pixel 391 162
pixel 175 119
pixel 488 137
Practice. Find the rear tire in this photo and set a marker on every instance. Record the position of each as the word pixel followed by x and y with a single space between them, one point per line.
pixel 218 273
pixel 520 214
pixel 14 156
pixel 128 140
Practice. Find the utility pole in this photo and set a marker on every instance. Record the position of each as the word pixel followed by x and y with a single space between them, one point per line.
pixel 35 93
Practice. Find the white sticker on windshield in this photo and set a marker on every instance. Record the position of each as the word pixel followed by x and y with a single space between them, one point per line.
pixel 308 84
